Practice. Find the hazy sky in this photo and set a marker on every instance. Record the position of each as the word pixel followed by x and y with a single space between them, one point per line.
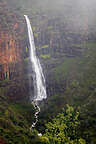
pixel 79 10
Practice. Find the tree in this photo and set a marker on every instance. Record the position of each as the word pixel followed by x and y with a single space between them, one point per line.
pixel 64 128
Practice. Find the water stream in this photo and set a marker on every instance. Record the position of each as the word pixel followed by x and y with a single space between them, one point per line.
pixel 38 77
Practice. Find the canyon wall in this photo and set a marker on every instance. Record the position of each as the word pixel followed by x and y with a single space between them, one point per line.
pixel 12 53
pixel 11 44
pixel 58 40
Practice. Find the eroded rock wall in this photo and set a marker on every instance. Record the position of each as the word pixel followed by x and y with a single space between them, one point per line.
pixel 11 44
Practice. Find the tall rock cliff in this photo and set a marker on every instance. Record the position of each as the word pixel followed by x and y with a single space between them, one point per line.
pixel 12 49
pixel 11 46
pixel 58 38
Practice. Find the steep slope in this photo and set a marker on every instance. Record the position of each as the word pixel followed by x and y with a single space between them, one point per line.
pixel 79 91
pixel 12 54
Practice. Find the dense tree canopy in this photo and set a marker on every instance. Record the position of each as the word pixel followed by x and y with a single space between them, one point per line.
pixel 64 128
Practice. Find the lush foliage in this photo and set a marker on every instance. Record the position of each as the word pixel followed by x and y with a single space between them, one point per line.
pixel 64 128
pixel 16 120
pixel 79 90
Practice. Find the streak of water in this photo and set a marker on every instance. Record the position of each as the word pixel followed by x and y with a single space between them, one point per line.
pixel 38 78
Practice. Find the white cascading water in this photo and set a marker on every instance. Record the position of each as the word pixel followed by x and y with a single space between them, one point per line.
pixel 38 79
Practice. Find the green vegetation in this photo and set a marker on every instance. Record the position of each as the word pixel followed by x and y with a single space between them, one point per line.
pixel 80 90
pixel 16 120
pixel 50 28
pixel 42 47
pixel 45 46
pixel 58 126
pixel 26 59
pixel 26 50
pixel 35 35
pixel 63 70
pixel 64 128
pixel 33 28
pixel 45 56
pixel 89 45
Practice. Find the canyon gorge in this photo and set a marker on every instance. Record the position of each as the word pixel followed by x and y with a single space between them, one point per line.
pixel 65 40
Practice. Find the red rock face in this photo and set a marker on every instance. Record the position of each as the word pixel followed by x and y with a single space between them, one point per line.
pixel 11 43
pixel 10 54
pixel 11 50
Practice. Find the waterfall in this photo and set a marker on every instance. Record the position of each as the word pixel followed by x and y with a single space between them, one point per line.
pixel 38 77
